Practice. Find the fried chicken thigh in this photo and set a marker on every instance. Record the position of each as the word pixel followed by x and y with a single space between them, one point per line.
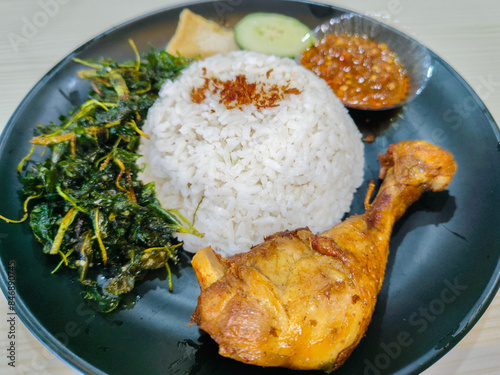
pixel 302 300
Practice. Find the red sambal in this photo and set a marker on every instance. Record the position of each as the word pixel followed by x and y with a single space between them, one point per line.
pixel 363 73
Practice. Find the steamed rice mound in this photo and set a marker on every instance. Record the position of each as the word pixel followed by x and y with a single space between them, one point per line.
pixel 256 171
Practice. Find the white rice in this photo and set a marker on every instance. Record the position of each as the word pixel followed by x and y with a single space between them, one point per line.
pixel 255 171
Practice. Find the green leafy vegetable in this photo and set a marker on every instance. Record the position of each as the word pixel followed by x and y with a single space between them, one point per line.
pixel 88 205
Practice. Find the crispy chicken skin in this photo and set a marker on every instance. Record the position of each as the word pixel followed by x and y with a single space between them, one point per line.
pixel 304 301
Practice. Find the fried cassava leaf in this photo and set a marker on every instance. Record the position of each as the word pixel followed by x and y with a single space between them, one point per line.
pixel 86 203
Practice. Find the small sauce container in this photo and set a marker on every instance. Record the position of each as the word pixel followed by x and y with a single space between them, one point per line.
pixel 368 65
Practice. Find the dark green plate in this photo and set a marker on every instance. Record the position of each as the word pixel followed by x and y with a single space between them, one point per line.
pixel 442 273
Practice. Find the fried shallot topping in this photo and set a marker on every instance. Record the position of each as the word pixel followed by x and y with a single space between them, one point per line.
pixel 238 92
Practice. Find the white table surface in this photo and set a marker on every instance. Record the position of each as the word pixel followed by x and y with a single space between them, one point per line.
pixel 464 33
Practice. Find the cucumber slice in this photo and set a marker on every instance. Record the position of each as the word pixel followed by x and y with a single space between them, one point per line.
pixel 273 34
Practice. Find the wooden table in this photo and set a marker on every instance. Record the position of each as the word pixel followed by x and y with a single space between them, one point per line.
pixel 464 33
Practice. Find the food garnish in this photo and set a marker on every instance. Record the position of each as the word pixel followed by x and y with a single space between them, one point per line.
pixel 196 36
pixel 362 72
pixel 302 300
pixel 272 33
pixel 238 92
pixel 88 206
